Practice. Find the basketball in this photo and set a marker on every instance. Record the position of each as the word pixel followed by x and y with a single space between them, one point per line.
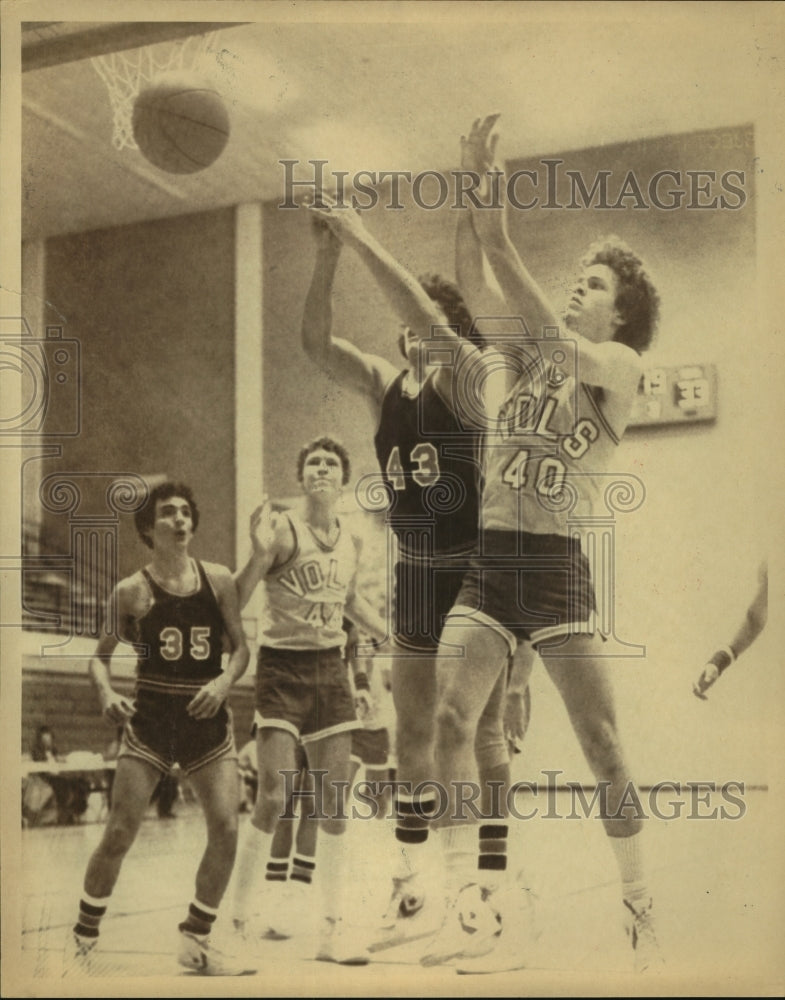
pixel 180 124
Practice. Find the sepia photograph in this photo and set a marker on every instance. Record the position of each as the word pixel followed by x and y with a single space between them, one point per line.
pixel 389 416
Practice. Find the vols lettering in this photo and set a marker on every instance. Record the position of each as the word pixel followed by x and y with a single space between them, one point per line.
pixel 305 579
pixel 525 414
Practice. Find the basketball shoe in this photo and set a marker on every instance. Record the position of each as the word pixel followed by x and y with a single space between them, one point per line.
pixel 80 958
pixel 639 925
pixel 336 944
pixel 198 953
pixel 472 926
pixel 512 948
pixel 410 914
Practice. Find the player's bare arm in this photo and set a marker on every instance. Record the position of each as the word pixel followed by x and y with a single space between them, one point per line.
pixel 367 373
pixel 207 701
pixel 404 293
pixel 272 543
pixel 609 364
pixel 751 627
pixel 129 603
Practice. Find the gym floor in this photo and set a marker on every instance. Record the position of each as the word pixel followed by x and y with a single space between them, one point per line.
pixel 714 884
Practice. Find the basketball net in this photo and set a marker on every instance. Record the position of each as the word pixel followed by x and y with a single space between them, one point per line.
pixel 125 73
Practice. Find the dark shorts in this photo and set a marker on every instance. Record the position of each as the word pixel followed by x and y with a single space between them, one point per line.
pixel 306 692
pixel 424 594
pixel 371 747
pixel 164 734
pixel 533 587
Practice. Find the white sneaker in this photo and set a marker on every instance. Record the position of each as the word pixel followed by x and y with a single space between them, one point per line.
pixel 201 955
pixel 512 948
pixel 336 945
pixel 472 927
pixel 412 914
pixel 406 900
pixel 78 956
pixel 640 930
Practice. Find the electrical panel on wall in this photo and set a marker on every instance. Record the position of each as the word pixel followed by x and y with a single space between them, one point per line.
pixel 676 394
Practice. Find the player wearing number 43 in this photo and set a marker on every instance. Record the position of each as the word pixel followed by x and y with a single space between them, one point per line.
pixel 307 565
pixel 178 613
pixel 426 445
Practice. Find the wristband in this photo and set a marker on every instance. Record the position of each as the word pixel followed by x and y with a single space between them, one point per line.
pixel 723 658
pixel 361 682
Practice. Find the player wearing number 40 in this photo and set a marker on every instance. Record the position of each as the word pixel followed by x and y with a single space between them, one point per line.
pixel 178 612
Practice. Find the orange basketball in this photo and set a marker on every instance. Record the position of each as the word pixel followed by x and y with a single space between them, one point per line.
pixel 180 123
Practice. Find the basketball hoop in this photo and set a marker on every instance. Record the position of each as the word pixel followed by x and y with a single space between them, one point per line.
pixel 125 73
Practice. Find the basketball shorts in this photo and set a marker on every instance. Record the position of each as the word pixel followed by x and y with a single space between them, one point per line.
pixel 304 691
pixel 542 594
pixel 371 747
pixel 424 594
pixel 163 733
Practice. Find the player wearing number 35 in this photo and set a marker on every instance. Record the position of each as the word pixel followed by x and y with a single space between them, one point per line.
pixel 177 612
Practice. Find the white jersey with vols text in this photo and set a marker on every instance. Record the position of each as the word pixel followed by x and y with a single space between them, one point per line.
pixel 545 453
pixel 305 596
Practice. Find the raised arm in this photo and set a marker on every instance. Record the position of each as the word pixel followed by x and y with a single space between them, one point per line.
pixel 272 543
pixel 401 289
pixel 609 364
pixel 366 373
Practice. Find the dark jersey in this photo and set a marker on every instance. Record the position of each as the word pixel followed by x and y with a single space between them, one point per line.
pixel 184 639
pixel 428 460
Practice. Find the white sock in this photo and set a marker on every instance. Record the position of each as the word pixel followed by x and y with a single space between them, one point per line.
pixel 331 852
pixel 629 857
pixel 255 847
pixel 459 848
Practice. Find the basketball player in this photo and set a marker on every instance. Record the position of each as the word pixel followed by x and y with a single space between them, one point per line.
pixel 554 437
pixel 176 611
pixel 749 630
pixel 308 566
pixel 426 451
pixel 287 910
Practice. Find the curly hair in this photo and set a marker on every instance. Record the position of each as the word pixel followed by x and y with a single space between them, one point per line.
pixel 448 297
pixel 325 444
pixel 637 299
pixel 144 518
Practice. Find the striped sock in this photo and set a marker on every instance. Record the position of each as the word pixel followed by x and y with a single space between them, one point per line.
pixel 411 816
pixel 493 847
pixel 277 870
pixel 91 911
pixel 200 919
pixel 303 869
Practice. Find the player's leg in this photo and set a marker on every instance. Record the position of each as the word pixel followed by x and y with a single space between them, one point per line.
pixel 329 760
pixel 289 875
pixel 583 681
pixel 414 698
pixel 134 782
pixel 216 787
pixel 466 684
pixel 276 756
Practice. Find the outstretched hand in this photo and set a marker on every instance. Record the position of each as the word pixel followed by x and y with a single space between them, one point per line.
pixel 342 221
pixel 264 527
pixel 478 153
